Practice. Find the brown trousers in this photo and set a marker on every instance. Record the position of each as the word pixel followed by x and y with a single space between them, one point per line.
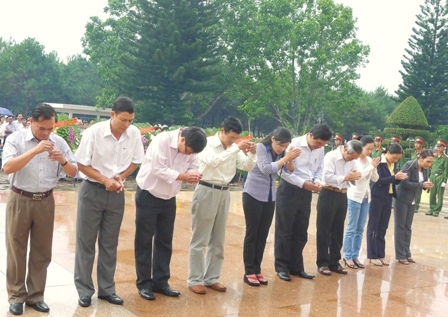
pixel 33 219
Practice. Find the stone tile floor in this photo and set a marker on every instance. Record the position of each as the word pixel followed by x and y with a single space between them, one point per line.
pixel 420 289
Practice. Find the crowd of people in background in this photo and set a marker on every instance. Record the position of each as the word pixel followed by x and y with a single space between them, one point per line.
pixel 359 178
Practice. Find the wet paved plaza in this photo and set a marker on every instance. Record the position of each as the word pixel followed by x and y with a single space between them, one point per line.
pixel 419 289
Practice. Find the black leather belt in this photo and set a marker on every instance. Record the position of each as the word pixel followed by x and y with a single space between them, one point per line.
pixel 34 196
pixel 99 185
pixel 214 186
pixel 335 189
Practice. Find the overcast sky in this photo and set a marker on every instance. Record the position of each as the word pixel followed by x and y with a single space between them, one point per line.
pixel 59 25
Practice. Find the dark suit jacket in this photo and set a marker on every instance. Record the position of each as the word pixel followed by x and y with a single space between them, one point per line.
pixel 381 187
pixel 407 188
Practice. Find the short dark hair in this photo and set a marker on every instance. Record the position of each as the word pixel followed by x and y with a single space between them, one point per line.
pixel 195 138
pixel 321 131
pixel 281 134
pixel 366 139
pixel 425 153
pixel 123 104
pixel 43 110
pixel 232 124
pixel 395 149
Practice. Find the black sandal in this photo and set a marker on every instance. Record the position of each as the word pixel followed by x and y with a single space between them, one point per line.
pixel 338 269
pixel 359 264
pixel 352 266
pixel 324 270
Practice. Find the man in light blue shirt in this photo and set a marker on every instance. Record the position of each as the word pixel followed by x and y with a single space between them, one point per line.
pixel 294 197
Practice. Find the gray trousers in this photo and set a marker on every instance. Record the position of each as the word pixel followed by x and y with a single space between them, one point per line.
pixel 404 215
pixel 210 208
pixel 100 214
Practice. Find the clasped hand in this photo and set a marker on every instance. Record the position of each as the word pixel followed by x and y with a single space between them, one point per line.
pixel 53 155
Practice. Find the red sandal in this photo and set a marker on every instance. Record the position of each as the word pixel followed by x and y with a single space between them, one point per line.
pixel 251 280
pixel 261 279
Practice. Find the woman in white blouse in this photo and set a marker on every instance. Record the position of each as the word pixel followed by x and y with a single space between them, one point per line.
pixel 358 201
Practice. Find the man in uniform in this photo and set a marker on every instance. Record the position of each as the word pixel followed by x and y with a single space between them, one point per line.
pixel 438 176
pixel 378 149
pixel 338 140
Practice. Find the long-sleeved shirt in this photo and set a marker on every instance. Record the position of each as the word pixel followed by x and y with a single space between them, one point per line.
pixel 335 169
pixel 162 165
pixel 218 165
pixel 440 167
pixel 260 182
pixel 308 165
pixel 361 187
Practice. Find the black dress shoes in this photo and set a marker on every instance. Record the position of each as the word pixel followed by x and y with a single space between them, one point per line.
pixel 146 294
pixel 113 299
pixel 40 306
pixel 302 274
pixel 284 276
pixel 84 301
pixel 168 291
pixel 16 308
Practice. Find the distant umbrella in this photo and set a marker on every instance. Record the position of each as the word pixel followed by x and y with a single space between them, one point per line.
pixel 5 112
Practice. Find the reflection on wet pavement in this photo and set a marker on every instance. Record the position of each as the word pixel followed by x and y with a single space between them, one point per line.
pixel 419 289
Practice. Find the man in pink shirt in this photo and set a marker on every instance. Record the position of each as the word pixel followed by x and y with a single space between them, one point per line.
pixel 170 159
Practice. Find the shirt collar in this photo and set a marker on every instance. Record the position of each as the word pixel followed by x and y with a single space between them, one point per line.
pixel 304 141
pixel 175 139
pixel 108 131
pixel 30 136
pixel 215 141
pixel 339 154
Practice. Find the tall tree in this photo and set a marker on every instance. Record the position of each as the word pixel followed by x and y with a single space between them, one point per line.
pixel 165 52
pixel 291 55
pixel 80 81
pixel 29 76
pixel 425 74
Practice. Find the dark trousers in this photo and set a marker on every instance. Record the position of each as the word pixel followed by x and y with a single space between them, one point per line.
pixel 379 216
pixel 258 216
pixel 154 218
pixel 292 218
pixel 331 212
pixel 404 215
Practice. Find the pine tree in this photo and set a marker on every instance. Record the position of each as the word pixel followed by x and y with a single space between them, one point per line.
pixel 425 75
pixel 172 58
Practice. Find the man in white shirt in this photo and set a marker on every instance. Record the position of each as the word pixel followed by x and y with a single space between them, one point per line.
pixel 109 152
pixel 170 159
pixel 210 208
pixel 293 203
pixel 10 127
pixel 339 171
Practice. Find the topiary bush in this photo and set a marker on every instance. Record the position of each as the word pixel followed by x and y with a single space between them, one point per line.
pixel 407 120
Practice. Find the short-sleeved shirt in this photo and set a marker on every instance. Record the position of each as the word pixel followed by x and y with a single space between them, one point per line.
pixel 39 174
pixel 103 152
